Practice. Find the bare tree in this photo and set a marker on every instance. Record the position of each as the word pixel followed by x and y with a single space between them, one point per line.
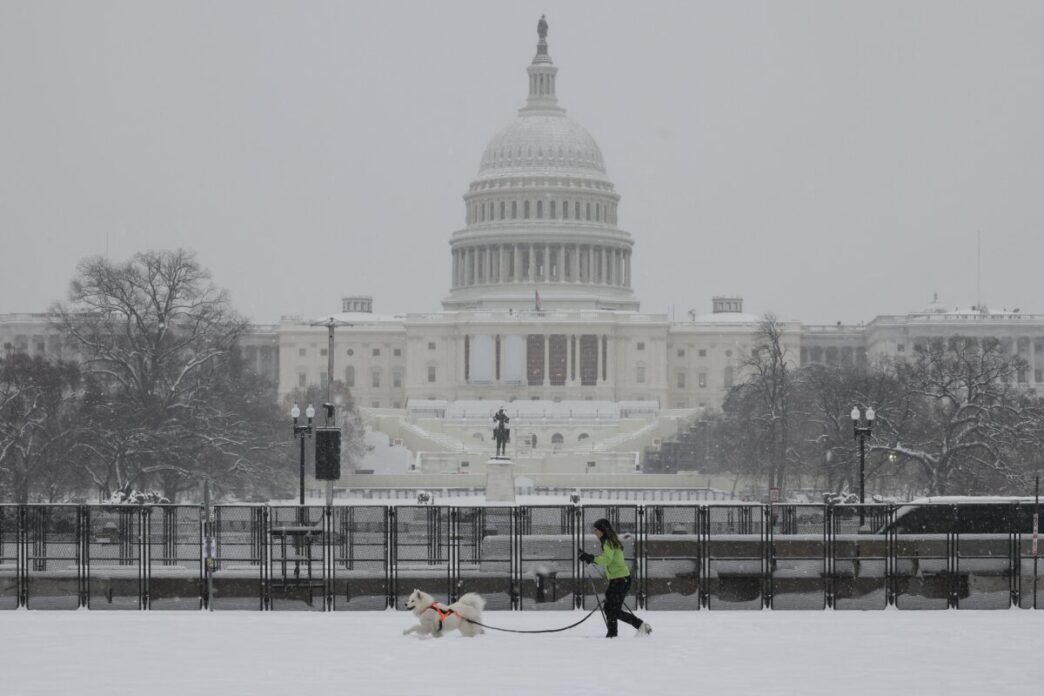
pixel 38 403
pixel 156 338
pixel 968 424
pixel 770 387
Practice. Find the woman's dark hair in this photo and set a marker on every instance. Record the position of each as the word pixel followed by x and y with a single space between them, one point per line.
pixel 608 535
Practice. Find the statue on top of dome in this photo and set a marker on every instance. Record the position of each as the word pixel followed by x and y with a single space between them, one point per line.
pixel 542 28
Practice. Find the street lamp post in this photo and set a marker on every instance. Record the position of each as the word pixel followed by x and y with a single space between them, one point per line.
pixel 301 432
pixel 330 324
pixel 862 432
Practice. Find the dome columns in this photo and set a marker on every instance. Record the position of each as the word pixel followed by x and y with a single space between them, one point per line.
pixel 541 262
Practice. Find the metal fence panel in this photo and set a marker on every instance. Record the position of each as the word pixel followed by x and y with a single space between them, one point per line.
pixel 239 575
pixel 798 564
pixel 546 551
pixel 674 552
pixel 297 550
pixel 114 544
pixel 174 564
pixel 52 572
pixel 485 555
pixel 359 573
pixel 737 551
pixel 420 552
pixel 860 555
pixel 10 557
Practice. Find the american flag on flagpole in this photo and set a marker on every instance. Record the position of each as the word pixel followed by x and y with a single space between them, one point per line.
pixel 537 299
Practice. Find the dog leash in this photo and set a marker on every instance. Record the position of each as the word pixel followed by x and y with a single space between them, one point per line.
pixel 551 630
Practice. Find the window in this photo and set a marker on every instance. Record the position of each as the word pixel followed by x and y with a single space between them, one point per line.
pixel 728 376
pixel 323 378
pixel 351 351
pixel 565 210
pixel 302 352
pixel 376 352
pixel 1037 375
pixel 540 209
pixel 576 210
pixel 728 354
pixel 397 352
pixel 322 352
pixel 398 404
pixel 349 376
pixel 375 404
pixel 552 214
pixel 681 380
pixel 431 373
pixel 588 215
pixel 681 352
pixel 640 374
pixel 396 379
pixel 525 209
pixel 501 217
pixel 514 209
pixel 702 352
pixel 302 379
pixel 375 379
pixel 431 345
pixel 641 345
pixel 703 380
pixel 900 348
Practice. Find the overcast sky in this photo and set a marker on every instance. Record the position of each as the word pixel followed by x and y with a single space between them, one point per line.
pixel 825 160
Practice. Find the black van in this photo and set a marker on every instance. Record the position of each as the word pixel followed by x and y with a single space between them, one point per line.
pixel 963 515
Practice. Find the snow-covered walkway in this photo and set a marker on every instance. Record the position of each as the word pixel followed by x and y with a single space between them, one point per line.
pixel 708 653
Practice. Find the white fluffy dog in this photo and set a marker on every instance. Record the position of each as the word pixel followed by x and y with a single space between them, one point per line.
pixel 436 619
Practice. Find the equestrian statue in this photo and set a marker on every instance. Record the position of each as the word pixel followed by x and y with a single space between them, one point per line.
pixel 501 433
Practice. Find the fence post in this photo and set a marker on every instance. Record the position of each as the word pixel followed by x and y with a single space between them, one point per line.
pixel 640 557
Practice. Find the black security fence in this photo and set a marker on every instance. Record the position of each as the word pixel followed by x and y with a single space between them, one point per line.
pixel 342 558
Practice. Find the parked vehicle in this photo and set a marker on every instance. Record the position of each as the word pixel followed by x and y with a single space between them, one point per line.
pixel 963 515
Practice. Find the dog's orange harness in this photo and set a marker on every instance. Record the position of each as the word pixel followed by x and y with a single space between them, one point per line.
pixel 443 613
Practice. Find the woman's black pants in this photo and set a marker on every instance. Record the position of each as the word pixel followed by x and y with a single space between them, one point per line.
pixel 614 611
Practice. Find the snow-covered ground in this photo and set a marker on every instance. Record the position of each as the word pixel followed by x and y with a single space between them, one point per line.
pixel 710 653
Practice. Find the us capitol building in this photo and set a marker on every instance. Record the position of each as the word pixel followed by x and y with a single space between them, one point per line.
pixel 541 317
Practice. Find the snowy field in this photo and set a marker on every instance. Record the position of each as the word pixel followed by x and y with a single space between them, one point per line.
pixel 275 654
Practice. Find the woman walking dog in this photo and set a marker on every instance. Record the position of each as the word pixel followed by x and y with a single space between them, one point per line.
pixel 619 576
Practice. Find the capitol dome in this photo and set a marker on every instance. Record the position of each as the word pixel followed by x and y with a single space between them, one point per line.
pixel 541 216
pixel 552 143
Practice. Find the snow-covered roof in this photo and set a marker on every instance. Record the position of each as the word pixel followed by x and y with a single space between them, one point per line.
pixel 727 318
pixel 359 318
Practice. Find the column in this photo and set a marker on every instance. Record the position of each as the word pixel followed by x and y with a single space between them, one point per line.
pixel 590 264
pixel 627 269
pixel 456 269
pixel 531 273
pixel 604 262
pixel 547 263
pixel 547 355
pixel 516 262
pixel 561 264
pixel 576 263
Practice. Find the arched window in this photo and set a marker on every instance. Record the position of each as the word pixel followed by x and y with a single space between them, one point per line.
pixel 525 210
pixel 501 210
pixel 576 210
pixel 588 212
pixel 552 210
pixel 540 209
pixel 478 436
pixel 598 212
pixel 565 210
pixel 582 437
pixel 557 440
pixel 514 209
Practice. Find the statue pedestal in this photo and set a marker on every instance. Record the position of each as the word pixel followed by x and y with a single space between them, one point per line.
pixel 500 481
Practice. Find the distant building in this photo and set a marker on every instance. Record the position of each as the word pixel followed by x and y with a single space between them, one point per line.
pixel 540 308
